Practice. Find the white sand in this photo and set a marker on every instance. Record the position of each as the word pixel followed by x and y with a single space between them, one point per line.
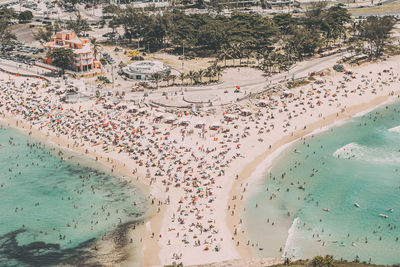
pixel 190 158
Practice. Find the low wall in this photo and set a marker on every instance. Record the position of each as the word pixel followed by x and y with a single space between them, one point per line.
pixel 168 106
pixel 25 75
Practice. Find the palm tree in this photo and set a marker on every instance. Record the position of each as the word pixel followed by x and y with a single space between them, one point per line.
pixel 167 76
pixel 95 47
pixel 200 74
pixel 224 53
pixel 214 68
pixel 208 74
pixel 173 77
pixel 268 60
pixel 182 76
pixel 196 77
pixel 281 61
pixel 249 53
pixel 211 72
pixel 218 71
pixel 241 52
pixel 156 77
pixel 234 52
pixel 258 56
pixel 191 75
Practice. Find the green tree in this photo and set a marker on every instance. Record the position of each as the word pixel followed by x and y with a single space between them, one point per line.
pixel 224 54
pixel 191 75
pixel 376 31
pixel 44 34
pixel 235 52
pixel 200 74
pixel 285 22
pixel 248 53
pixel 72 2
pixel 212 34
pixel 156 78
pixel 79 25
pixel 268 59
pixel 218 71
pixel 168 76
pixel 111 9
pixel 62 58
pixel 96 46
pixel 356 46
pixel 6 36
pixel 173 78
pixel 7 14
pixel 314 15
pixel 133 22
pixel 25 16
pixel 320 261
pixel 304 42
pixel 57 26
pixel 103 61
pixel 209 74
pixel 182 76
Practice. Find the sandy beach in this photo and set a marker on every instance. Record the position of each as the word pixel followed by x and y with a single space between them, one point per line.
pixel 195 166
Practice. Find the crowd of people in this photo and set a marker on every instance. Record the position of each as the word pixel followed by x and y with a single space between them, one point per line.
pixel 189 159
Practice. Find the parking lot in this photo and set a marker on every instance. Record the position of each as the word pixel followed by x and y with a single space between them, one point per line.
pixel 21 53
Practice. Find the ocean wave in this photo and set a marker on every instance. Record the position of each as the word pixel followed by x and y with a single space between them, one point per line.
pixel 368 154
pixel 350 150
pixel 395 129
pixel 290 250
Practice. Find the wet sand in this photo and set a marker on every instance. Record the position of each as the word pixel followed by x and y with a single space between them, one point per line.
pixel 221 205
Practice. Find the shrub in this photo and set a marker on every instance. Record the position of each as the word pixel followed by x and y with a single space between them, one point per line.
pixel 338 68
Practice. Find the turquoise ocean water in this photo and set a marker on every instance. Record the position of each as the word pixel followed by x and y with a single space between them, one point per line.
pixel 356 162
pixel 51 210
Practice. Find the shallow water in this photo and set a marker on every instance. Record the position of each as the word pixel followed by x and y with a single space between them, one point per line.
pixel 52 209
pixel 357 162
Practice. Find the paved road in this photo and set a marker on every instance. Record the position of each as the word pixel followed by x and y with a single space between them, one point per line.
pixel 359 11
pixel 21 68
pixel 378 14
pixel 302 69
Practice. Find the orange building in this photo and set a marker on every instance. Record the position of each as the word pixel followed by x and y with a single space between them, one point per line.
pixel 83 59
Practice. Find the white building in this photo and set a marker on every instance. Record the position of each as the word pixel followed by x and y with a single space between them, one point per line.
pixel 143 3
pixel 143 70
pixel 283 3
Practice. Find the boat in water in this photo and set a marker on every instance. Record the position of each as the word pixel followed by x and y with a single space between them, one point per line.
pixel 384 216
pixel 357 205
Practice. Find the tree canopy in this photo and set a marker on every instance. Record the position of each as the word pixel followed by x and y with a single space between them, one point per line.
pixel 44 34
pixel 25 16
pixel 61 57
pixel 79 25
pixel 279 40
pixel 6 36
pixel 376 31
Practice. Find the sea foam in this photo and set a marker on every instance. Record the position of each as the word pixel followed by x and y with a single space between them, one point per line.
pixel 290 250
pixel 395 129
pixel 349 150
pixel 368 154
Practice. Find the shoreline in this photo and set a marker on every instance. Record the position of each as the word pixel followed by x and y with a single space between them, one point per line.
pixel 256 170
pixel 132 230
pixel 252 157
